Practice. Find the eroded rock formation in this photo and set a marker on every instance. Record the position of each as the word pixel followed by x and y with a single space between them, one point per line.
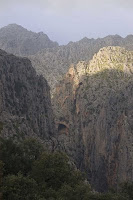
pixel 25 104
pixel 53 63
pixel 94 116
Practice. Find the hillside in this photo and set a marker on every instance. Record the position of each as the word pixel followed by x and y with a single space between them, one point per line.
pixel 94 116
pixel 19 41
pixel 25 104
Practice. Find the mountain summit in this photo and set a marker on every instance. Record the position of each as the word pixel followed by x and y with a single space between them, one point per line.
pixel 19 41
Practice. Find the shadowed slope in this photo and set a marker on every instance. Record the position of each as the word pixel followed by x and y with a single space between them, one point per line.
pixel 25 104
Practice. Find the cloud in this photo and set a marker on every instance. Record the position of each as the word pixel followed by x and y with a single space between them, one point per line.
pixel 65 20
pixel 59 5
pixel 128 3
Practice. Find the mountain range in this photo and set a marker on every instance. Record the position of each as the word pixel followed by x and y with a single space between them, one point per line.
pixel 91 114
pixel 47 57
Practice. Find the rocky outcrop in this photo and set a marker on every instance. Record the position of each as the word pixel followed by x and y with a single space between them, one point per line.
pixel 49 59
pixel 25 104
pixel 19 41
pixel 54 63
pixel 94 116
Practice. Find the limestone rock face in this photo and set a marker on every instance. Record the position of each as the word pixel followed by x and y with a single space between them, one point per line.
pixel 53 63
pixel 25 104
pixel 93 105
pixel 19 41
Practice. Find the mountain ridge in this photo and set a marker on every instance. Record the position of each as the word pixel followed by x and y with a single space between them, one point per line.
pixel 19 41
pixel 56 61
pixel 51 60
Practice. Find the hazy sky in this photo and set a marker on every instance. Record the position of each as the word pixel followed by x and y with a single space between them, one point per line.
pixel 70 20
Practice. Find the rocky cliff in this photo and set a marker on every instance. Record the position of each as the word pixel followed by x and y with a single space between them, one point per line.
pixel 25 104
pixel 94 116
pixel 54 63
pixel 19 41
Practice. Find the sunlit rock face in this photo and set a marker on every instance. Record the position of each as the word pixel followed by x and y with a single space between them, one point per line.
pixel 25 104
pixel 93 105
pixel 54 63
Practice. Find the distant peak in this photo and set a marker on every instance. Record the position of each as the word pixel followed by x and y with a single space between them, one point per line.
pixel 19 41
pixel 114 36
pixel 129 36
pixel 40 33
pixel 85 39
pixel 14 25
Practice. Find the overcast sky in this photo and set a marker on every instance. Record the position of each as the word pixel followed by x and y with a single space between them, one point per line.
pixel 70 20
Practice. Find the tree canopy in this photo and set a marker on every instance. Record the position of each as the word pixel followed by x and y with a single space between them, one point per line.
pixel 27 172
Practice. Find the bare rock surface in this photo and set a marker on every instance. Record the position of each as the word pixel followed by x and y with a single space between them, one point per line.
pixel 93 105
pixel 53 63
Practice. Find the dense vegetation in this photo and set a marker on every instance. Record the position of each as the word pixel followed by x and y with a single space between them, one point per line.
pixel 27 172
